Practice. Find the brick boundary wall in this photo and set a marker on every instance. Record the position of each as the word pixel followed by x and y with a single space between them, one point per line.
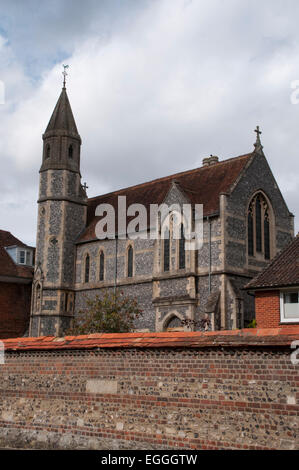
pixel 218 390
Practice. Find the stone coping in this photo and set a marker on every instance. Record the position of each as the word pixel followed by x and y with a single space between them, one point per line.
pixel 234 338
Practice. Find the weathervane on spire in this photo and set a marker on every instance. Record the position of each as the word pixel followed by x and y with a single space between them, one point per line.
pixel 258 145
pixel 64 73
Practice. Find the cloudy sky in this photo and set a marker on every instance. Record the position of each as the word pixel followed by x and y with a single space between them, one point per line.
pixel 155 86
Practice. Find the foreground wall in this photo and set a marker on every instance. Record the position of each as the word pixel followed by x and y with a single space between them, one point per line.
pixel 234 390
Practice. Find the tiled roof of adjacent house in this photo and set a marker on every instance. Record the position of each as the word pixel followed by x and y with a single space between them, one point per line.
pixel 202 186
pixel 283 271
pixel 8 268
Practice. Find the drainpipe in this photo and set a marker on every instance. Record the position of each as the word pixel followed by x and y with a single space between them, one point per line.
pixel 210 254
pixel 115 264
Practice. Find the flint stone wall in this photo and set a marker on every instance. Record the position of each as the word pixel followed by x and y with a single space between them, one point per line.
pixel 215 395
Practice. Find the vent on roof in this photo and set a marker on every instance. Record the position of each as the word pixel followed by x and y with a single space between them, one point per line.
pixel 208 161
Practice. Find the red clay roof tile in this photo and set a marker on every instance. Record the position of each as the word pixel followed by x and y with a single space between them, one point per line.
pixel 202 186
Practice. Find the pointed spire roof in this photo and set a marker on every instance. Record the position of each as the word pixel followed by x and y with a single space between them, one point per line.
pixel 62 118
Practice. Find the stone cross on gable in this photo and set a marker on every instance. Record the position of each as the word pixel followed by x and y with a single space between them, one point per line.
pixel 258 146
pixel 258 132
pixel 85 187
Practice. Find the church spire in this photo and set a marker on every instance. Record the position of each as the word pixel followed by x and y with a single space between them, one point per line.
pixel 61 139
pixel 258 145
pixel 62 118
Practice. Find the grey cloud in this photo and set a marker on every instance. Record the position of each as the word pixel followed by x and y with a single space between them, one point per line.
pixel 41 33
pixel 155 87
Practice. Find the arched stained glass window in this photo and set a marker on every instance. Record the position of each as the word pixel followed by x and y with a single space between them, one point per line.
pixel 130 261
pixel 267 235
pixel 258 227
pixel 258 217
pixel 250 233
pixel 166 250
pixel 102 266
pixel 182 254
pixel 87 268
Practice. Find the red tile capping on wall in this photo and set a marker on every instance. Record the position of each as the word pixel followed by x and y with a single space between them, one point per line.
pixel 237 338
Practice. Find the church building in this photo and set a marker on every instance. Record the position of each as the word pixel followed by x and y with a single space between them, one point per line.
pixel 246 222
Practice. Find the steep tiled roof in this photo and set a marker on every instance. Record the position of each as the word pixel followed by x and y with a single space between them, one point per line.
pixel 237 338
pixel 7 266
pixel 282 271
pixel 202 186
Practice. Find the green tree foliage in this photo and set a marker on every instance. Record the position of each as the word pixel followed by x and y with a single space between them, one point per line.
pixel 252 324
pixel 107 313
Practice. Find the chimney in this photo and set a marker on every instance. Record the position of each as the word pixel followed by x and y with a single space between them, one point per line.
pixel 211 160
pixel 206 161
